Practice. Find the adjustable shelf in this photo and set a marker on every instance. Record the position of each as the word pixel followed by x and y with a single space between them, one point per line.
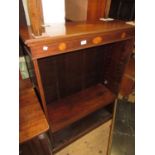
pixel 72 108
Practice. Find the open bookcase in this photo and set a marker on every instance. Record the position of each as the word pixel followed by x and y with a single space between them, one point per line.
pixel 77 74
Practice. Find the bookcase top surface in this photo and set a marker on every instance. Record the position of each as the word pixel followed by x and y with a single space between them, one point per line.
pixel 71 29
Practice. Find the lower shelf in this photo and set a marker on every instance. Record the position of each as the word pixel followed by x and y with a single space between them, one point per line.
pixel 76 130
pixel 75 107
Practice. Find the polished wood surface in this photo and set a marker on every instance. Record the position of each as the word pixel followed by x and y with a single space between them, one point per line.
pixel 72 108
pixel 67 74
pixel 69 45
pixel 116 61
pixel 127 86
pixel 79 67
pixel 130 68
pixel 71 29
pixel 128 81
pixel 32 121
pixel 96 9
pixel 39 145
pixel 36 16
pixel 42 95
pixel 70 37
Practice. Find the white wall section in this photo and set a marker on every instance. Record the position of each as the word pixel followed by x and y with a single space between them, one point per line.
pixel 53 11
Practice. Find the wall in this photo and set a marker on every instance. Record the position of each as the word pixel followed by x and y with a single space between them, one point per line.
pixel 53 11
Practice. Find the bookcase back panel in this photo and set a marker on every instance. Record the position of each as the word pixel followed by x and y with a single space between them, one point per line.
pixel 65 74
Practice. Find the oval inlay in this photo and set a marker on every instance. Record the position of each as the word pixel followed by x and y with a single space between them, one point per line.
pixel 97 40
pixel 62 46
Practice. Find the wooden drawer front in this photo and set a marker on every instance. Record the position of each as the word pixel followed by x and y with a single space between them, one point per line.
pixel 78 43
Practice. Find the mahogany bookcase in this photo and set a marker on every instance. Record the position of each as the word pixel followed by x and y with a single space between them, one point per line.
pixel 76 69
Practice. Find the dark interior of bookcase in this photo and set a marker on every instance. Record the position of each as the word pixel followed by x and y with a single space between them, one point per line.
pixel 66 74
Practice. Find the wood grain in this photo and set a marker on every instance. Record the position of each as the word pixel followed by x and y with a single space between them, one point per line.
pixel 70 109
pixel 66 74
pixel 76 80
pixel 36 16
pixel 32 121
pixel 72 30
pixel 128 81
pixel 96 9
pixel 75 44
pixel 115 62
pixel 40 86
pixel 39 145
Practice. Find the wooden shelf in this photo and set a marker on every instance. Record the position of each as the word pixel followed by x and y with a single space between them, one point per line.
pixel 32 121
pixel 78 129
pixel 72 108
